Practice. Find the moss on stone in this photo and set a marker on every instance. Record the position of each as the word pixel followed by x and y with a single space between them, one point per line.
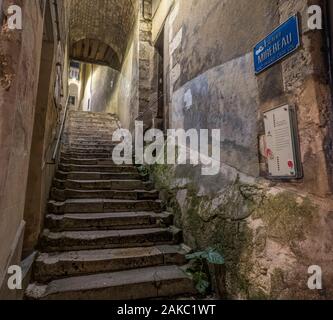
pixel 221 221
pixel 277 283
pixel 286 217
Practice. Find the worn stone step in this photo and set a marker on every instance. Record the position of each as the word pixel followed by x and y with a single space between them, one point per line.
pixel 52 266
pixel 81 143
pixel 84 155
pixel 108 134
pixel 108 125
pixel 83 176
pixel 97 168
pixel 91 123
pixel 103 185
pixel 64 194
pixel 89 137
pixel 90 130
pixel 111 168
pixel 81 115
pixel 88 150
pixel 99 120
pixel 95 155
pixel 88 133
pixel 107 221
pixel 103 206
pixel 89 162
pixel 86 146
pixel 108 239
pixel 145 283
pixel 83 134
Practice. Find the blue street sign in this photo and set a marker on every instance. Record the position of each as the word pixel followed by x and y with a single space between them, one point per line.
pixel 281 42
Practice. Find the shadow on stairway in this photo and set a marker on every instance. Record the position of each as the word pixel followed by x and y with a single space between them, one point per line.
pixel 106 235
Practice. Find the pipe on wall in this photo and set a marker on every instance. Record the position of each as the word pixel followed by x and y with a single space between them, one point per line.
pixel 1 12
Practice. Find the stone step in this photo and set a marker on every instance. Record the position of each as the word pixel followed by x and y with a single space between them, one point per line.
pixel 53 266
pixel 108 239
pixel 103 185
pixel 108 221
pixel 87 144
pixel 90 146
pixel 88 129
pixel 145 283
pixel 89 137
pixel 64 194
pixel 88 150
pixel 97 168
pixel 103 206
pixel 88 133
pixel 89 162
pixel 84 176
pixel 81 143
pixel 91 123
pixel 84 155
pixel 91 115
pixel 80 120
pixel 94 116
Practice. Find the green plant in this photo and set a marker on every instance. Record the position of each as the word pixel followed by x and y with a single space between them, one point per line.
pixel 199 269
pixel 143 171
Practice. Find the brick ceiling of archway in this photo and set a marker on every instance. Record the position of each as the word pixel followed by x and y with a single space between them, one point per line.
pixel 99 30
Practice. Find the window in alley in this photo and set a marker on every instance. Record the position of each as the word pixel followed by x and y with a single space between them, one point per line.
pixel 74 72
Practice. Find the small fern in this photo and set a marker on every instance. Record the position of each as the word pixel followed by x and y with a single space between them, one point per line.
pixel 199 270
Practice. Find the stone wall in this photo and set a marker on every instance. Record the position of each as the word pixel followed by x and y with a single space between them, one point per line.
pixel 19 56
pixel 269 233
pixel 134 85
pixel 109 21
pixel 126 94
pixel 21 61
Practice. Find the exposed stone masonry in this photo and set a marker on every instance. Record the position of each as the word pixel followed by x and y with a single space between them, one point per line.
pixel 109 21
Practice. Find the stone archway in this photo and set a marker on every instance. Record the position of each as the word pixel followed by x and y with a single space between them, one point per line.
pixel 100 30
pixel 95 51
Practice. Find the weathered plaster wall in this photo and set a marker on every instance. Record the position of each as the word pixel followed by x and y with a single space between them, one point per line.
pixel 134 84
pixel 132 88
pixel 98 88
pixel 19 56
pixel 126 96
pixel 51 98
pixel 270 233
pixel 28 125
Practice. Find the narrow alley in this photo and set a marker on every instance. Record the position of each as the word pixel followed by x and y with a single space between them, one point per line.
pixel 166 150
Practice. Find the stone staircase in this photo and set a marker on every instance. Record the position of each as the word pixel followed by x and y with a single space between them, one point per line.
pixel 106 234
